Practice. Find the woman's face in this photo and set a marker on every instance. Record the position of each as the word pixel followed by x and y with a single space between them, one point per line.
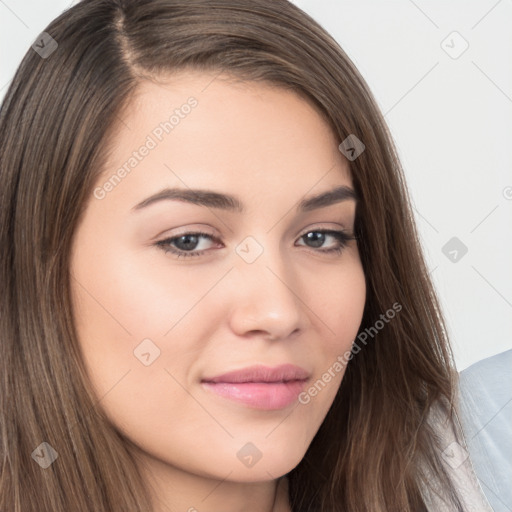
pixel 160 309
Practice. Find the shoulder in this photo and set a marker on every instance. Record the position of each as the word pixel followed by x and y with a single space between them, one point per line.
pixel 488 374
pixel 485 405
pixel 457 464
pixel 485 393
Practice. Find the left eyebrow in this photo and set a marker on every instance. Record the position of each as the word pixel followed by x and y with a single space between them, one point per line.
pixel 333 196
pixel 211 199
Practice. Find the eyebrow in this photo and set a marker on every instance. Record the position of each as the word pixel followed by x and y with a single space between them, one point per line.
pixel 211 199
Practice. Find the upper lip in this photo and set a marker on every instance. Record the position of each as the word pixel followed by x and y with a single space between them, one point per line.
pixel 261 373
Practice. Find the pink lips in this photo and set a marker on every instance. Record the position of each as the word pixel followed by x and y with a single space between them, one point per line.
pixel 259 386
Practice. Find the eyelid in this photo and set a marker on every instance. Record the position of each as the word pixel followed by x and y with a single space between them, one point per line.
pixel 325 226
pixel 194 228
pixel 186 231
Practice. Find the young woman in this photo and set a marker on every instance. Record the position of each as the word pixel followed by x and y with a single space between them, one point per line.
pixel 214 297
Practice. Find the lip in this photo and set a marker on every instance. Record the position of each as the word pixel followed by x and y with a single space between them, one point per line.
pixel 259 386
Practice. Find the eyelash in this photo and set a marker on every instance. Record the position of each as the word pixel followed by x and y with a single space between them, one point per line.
pixel 342 237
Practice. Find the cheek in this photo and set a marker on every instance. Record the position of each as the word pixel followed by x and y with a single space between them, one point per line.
pixel 134 320
pixel 122 298
pixel 340 305
pixel 139 336
pixel 132 298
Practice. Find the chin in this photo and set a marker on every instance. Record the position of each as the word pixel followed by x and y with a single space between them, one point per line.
pixel 273 464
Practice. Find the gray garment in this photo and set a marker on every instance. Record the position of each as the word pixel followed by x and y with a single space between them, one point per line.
pixel 486 418
pixel 458 464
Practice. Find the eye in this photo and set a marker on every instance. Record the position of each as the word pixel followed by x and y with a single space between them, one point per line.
pixel 319 237
pixel 189 244
pixel 185 245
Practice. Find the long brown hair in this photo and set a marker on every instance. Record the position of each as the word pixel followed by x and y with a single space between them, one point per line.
pixel 55 123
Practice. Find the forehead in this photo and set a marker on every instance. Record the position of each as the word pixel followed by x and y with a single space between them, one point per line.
pixel 203 130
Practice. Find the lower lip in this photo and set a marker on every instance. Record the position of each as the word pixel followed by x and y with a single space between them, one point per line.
pixel 259 395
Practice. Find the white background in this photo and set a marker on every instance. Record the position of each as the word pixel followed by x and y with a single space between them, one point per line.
pixel 450 117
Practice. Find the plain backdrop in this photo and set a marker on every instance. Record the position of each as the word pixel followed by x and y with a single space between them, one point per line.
pixel 441 73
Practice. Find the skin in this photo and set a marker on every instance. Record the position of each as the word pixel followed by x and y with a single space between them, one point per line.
pixel 216 312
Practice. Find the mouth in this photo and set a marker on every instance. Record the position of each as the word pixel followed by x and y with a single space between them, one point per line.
pixel 260 387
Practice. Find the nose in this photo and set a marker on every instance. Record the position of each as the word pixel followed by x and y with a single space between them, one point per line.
pixel 267 300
